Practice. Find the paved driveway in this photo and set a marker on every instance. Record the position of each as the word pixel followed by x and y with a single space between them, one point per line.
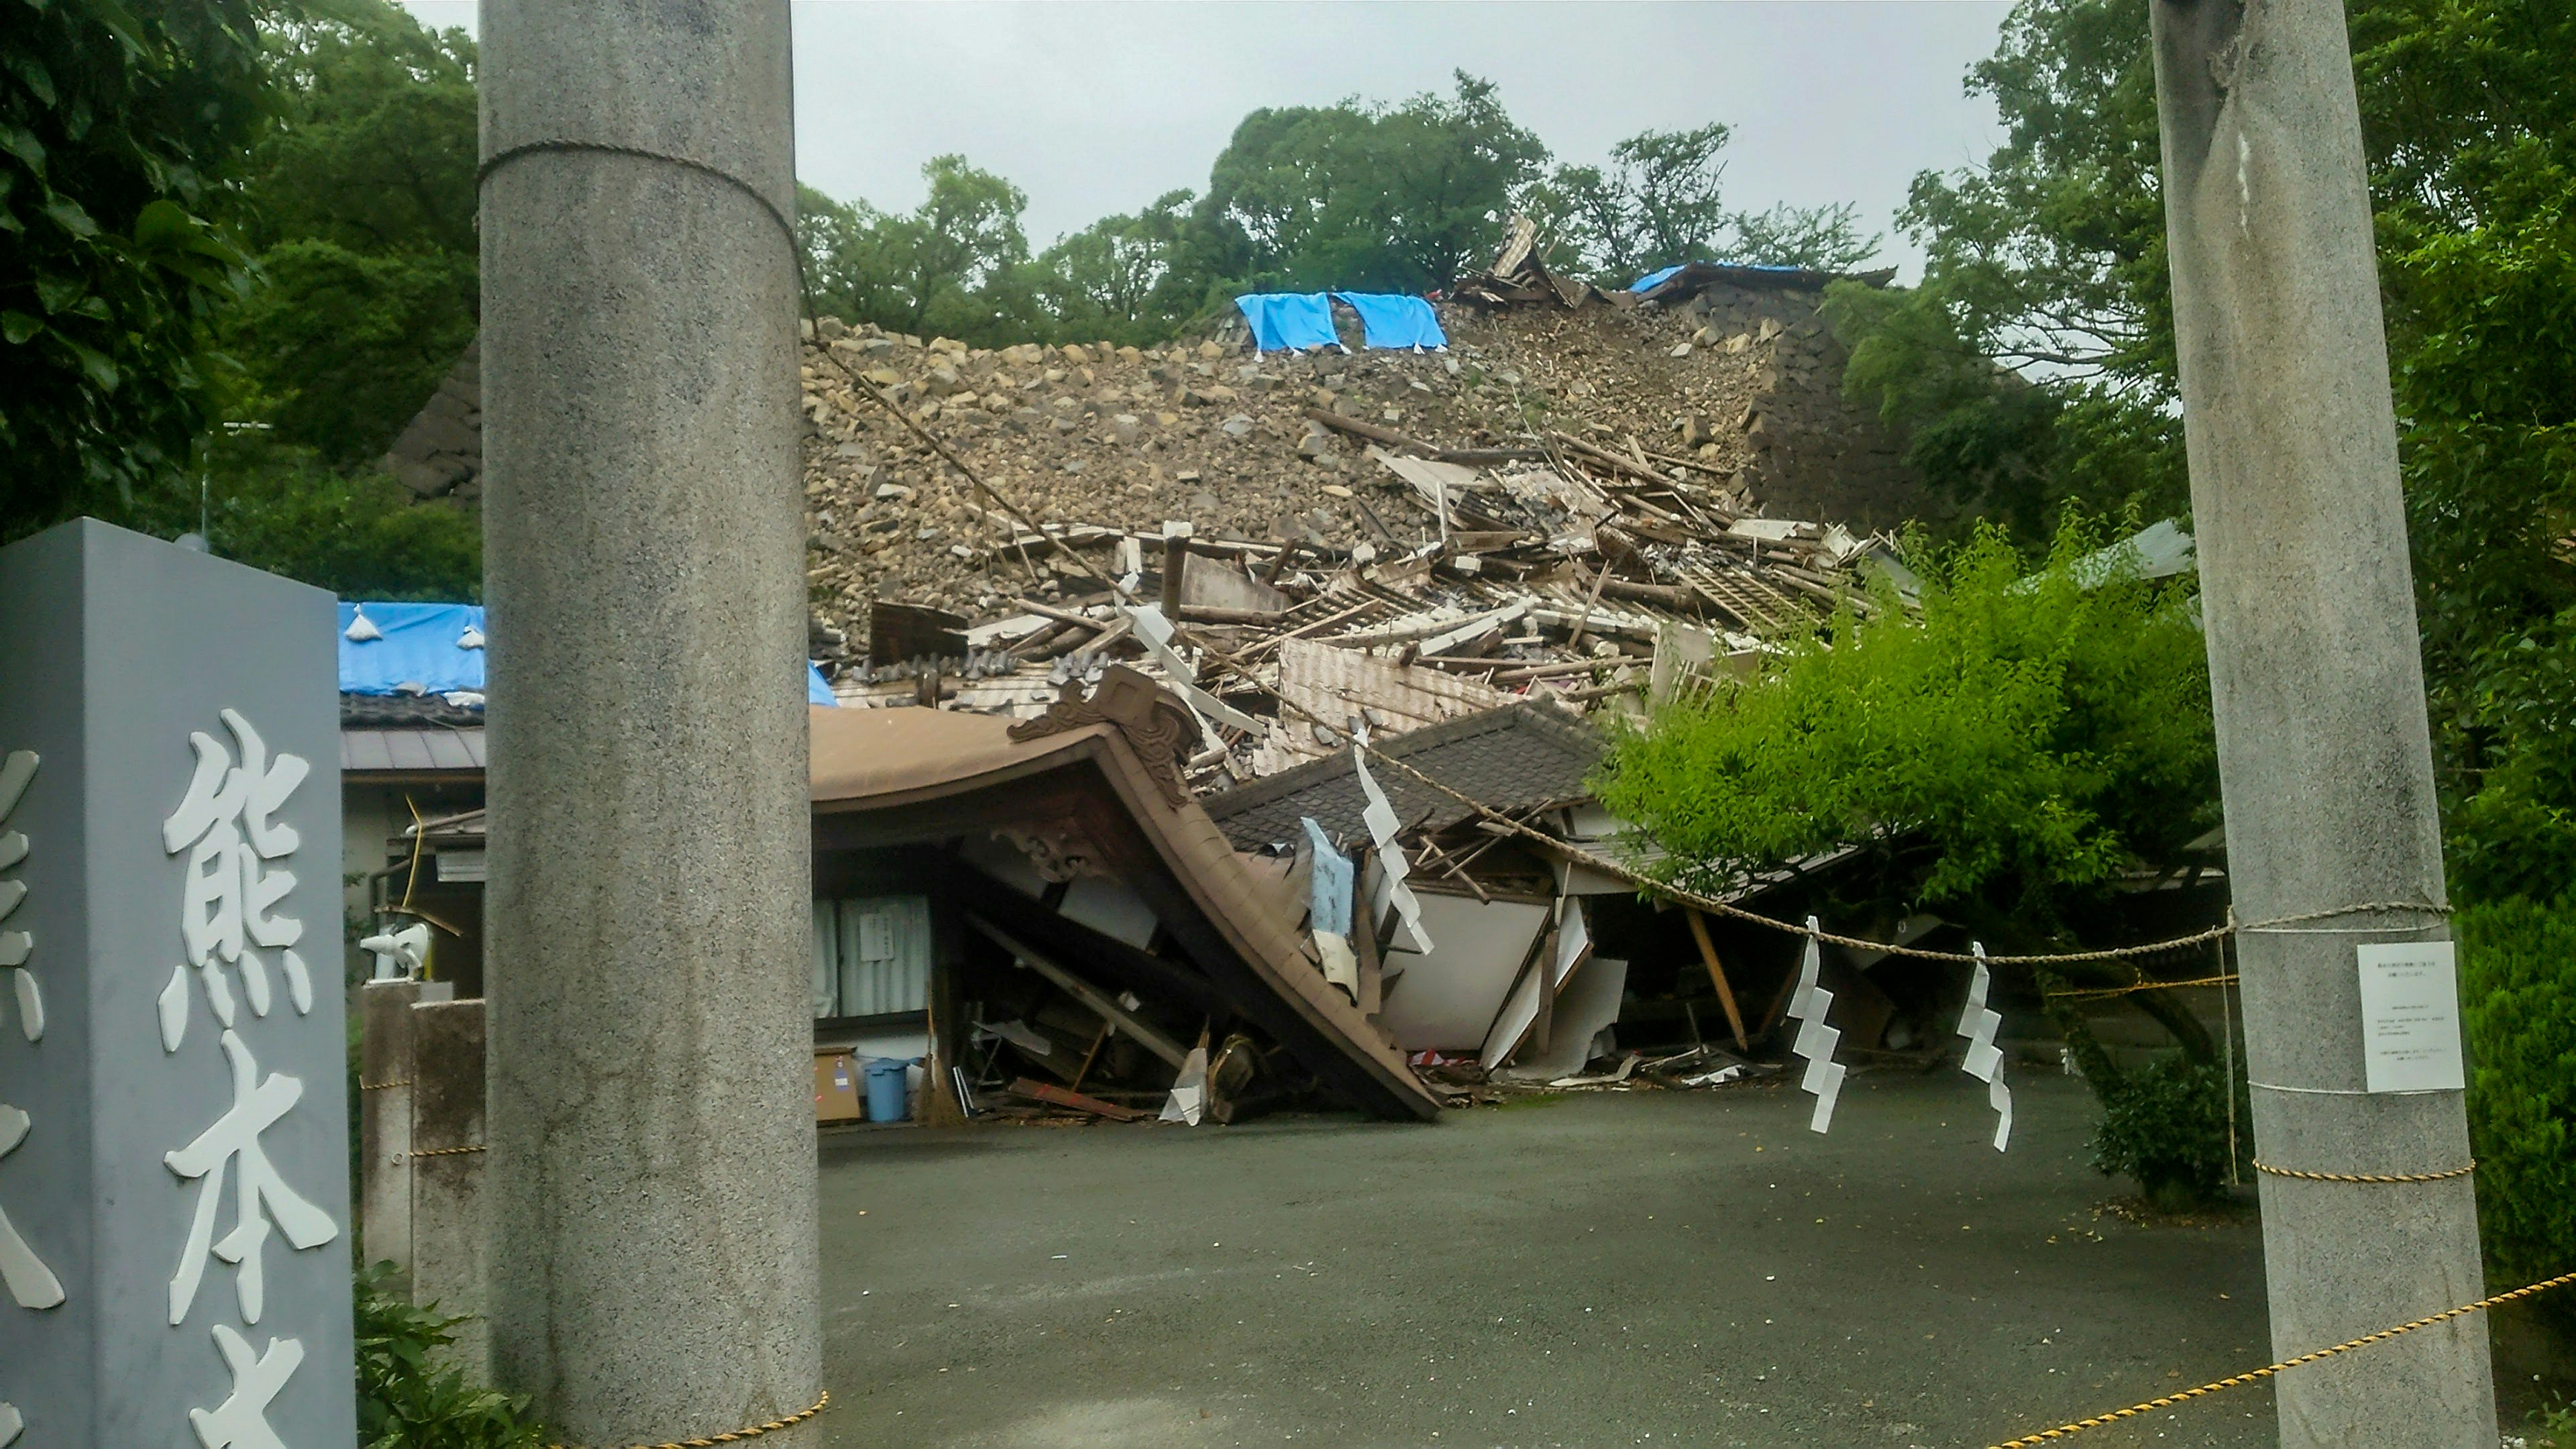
pixel 1647 1268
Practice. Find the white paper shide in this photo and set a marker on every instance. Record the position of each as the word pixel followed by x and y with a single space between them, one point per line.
pixel 234 887
pixel 2410 1017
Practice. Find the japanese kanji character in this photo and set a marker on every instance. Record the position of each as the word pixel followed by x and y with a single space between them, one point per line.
pixel 260 1195
pixel 17 946
pixel 28 1279
pixel 231 893
pixel 241 1420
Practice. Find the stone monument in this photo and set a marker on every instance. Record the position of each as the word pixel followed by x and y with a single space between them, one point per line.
pixel 174 1149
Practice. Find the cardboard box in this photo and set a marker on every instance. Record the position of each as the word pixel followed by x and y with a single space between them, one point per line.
pixel 839 1093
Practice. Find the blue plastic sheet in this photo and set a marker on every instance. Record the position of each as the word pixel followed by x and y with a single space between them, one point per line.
pixel 1289 320
pixel 420 649
pixel 1652 280
pixel 1396 319
pixel 423 648
pixel 1328 884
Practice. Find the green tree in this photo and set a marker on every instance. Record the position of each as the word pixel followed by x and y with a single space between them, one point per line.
pixel 953 266
pixel 360 202
pixel 1400 198
pixel 2004 754
pixel 1658 203
pixel 1122 277
pixel 1820 238
pixel 357 205
pixel 119 128
pixel 2033 367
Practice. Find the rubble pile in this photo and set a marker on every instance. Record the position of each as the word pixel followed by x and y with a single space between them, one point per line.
pixel 1736 389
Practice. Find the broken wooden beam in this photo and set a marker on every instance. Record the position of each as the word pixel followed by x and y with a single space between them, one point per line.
pixel 1717 975
pixel 1371 431
pixel 1049 1092
pixel 1100 1002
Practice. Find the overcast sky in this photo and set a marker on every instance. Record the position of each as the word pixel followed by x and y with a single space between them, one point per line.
pixel 1098 106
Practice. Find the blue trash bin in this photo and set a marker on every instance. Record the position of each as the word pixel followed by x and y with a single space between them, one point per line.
pixel 886 1089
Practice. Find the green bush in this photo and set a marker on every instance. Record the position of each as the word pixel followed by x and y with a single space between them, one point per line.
pixel 2165 1124
pixel 2518 1003
pixel 406 1402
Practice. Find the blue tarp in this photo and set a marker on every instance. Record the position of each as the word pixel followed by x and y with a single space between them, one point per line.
pixel 1328 883
pixel 422 648
pixel 1652 280
pixel 419 648
pixel 1396 319
pixel 1289 319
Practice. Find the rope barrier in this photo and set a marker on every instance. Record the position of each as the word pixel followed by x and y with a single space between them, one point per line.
pixel 2066 1431
pixel 2365 1177
pixel 446 1151
pixel 735 1436
pixel 2103 991
pixel 384 1086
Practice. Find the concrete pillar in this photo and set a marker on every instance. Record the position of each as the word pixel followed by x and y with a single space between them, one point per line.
pixel 2323 750
pixel 384 1115
pixel 450 1237
pixel 651 1114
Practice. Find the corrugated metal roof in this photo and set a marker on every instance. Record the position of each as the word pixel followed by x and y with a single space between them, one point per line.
pixel 410 751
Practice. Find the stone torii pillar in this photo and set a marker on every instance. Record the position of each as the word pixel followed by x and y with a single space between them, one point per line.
pixel 2334 849
pixel 653 1267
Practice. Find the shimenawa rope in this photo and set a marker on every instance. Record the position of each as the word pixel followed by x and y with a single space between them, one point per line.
pixel 2375 1178
pixel 735 1436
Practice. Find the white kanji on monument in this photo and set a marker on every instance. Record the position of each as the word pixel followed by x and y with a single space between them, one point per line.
pixel 236 876
pixel 241 1420
pixel 260 1195
pixel 17 771
pixel 29 1282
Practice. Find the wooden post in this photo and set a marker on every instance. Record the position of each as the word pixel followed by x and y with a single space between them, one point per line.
pixel 1176 556
pixel 1717 976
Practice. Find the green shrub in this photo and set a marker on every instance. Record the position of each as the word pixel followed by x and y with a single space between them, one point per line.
pixel 405 1401
pixel 2165 1124
pixel 2518 1004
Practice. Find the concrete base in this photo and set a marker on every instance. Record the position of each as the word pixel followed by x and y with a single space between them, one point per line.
pixel 450 1236
pixel 384 1116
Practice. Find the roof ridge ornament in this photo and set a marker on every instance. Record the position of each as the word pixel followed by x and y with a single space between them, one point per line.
pixel 1154 724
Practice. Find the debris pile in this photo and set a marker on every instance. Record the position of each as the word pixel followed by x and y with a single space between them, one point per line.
pixel 1694 412
pixel 1575 503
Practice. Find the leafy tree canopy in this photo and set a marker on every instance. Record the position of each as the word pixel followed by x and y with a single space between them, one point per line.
pixel 360 201
pixel 1660 202
pixel 2034 365
pixel 1397 198
pixel 119 128
pixel 2003 754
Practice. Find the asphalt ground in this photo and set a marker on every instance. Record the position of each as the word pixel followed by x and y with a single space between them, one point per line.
pixel 1642 1268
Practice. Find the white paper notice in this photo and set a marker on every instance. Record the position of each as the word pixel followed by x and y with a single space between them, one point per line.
pixel 2410 1017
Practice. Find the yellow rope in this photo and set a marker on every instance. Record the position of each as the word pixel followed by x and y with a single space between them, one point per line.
pixel 2101 991
pixel 734 1437
pixel 2372 1177
pixel 384 1086
pixel 447 1151
pixel 2065 1431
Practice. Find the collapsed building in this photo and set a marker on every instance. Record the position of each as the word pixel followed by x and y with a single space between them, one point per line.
pixel 1583 502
